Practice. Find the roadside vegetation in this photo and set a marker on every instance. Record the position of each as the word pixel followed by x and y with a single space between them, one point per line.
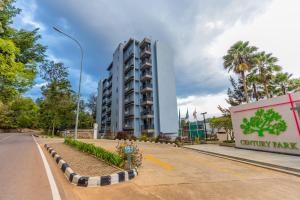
pixel 22 60
pixel 107 156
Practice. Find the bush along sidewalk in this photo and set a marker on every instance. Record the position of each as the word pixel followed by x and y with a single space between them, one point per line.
pixel 107 156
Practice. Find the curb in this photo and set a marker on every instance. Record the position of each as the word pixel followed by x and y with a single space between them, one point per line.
pixel 278 168
pixel 87 181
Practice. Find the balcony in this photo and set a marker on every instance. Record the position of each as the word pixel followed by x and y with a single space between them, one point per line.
pixel 146 52
pixel 146 64
pixel 128 127
pixel 128 67
pixel 128 89
pixel 128 101
pixel 146 75
pixel 128 77
pixel 128 113
pixel 147 114
pixel 147 128
pixel 109 86
pixel 146 101
pixel 108 103
pixel 110 76
pixel 130 55
pixel 146 88
pixel 145 42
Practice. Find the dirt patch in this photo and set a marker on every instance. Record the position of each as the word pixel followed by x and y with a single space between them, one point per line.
pixel 83 163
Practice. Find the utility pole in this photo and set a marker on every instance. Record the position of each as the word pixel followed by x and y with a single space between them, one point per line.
pixel 78 98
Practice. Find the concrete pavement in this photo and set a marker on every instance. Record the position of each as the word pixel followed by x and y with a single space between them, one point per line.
pixel 22 174
pixel 283 162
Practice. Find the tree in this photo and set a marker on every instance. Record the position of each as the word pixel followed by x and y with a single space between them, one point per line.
pixel 294 85
pixel 6 120
pixel 92 105
pixel 238 59
pixel 24 113
pixel 58 105
pixel 279 84
pixel 223 123
pixel 14 77
pixel 264 121
pixel 265 66
pixel 30 51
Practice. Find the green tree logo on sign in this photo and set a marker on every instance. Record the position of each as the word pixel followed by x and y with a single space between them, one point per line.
pixel 264 121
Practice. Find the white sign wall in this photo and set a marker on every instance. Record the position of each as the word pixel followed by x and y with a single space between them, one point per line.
pixel 268 125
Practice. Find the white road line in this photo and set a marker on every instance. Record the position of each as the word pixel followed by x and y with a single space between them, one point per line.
pixel 54 190
pixel 6 138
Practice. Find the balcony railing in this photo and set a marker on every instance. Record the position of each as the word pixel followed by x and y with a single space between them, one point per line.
pixel 147 87
pixel 128 89
pixel 128 126
pixel 147 127
pixel 128 112
pixel 147 101
pixel 128 100
pixel 146 75
pixel 146 52
pixel 128 67
pixel 146 64
pixel 128 77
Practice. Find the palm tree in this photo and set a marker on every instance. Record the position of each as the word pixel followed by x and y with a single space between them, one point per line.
pixel 265 66
pixel 280 83
pixel 238 60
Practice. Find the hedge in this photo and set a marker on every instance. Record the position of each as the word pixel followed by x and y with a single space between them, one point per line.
pixel 109 157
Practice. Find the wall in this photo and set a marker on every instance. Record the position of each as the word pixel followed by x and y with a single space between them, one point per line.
pixel 167 104
pixel 263 134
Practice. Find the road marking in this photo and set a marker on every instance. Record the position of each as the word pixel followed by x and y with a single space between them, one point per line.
pixel 53 186
pixel 158 162
pixel 6 138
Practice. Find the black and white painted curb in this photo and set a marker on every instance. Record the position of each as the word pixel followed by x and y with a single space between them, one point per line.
pixel 87 181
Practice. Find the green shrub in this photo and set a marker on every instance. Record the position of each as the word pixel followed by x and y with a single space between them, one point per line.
pixel 108 157
pixel 144 138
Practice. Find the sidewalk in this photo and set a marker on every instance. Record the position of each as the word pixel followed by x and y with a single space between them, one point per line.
pixel 280 162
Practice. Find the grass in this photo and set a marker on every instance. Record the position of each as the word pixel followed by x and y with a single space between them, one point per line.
pixel 107 156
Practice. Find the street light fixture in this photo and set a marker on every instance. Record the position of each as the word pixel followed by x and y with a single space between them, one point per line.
pixel 78 98
pixel 204 113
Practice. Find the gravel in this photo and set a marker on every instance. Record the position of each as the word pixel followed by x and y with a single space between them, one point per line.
pixel 83 163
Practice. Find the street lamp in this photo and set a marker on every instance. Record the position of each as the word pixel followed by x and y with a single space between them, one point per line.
pixel 204 113
pixel 78 98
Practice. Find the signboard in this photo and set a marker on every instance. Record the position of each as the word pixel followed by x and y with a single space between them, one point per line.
pixel 128 149
pixel 268 125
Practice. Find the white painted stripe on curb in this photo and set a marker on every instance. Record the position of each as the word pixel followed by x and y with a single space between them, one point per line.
pixel 114 178
pixel 53 186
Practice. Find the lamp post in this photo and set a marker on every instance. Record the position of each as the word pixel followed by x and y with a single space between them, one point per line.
pixel 79 86
pixel 204 113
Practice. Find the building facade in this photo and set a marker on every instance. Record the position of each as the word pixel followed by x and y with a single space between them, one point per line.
pixel 139 95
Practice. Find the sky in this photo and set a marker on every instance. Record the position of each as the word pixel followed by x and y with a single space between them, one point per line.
pixel 199 32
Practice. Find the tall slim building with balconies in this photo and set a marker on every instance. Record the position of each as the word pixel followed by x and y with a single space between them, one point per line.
pixel 139 95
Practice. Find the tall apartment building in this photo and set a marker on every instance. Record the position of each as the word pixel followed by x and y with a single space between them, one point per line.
pixel 139 93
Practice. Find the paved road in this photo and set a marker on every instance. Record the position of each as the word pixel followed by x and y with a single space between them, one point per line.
pixel 22 173
pixel 176 173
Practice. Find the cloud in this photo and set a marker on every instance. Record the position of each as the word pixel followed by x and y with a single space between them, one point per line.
pixel 187 27
pixel 205 103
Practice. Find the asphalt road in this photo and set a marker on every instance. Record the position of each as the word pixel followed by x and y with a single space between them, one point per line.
pixel 22 173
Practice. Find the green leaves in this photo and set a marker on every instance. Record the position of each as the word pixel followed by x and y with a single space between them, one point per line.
pixel 110 158
pixel 264 121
